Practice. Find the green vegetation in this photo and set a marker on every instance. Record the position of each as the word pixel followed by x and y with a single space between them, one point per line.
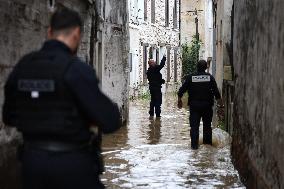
pixel 144 96
pixel 190 57
pixel 221 125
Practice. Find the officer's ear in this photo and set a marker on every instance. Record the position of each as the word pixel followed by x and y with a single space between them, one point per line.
pixel 76 35
pixel 49 33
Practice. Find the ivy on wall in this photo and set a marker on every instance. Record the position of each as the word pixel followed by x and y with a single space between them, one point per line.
pixel 190 57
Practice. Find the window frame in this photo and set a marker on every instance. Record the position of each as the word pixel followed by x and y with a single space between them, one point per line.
pixel 175 63
pixel 145 10
pixel 175 15
pixel 167 13
pixel 145 61
pixel 153 12
pixel 168 63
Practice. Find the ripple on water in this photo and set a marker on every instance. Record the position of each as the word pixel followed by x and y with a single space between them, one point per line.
pixel 156 154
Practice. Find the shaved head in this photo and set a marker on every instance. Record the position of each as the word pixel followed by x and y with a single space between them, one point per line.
pixel 65 26
pixel 152 62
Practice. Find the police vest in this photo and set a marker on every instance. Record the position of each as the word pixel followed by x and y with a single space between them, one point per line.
pixel 201 88
pixel 41 103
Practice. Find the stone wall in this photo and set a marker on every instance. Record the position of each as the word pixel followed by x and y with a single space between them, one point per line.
pixel 188 26
pixel 23 29
pixel 205 24
pixel 258 137
pixel 115 53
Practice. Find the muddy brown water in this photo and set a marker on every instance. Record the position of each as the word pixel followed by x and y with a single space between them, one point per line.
pixel 156 153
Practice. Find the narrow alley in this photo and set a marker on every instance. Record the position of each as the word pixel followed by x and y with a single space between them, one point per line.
pixel 76 78
pixel 156 153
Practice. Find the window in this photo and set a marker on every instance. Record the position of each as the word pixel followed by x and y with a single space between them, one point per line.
pixel 175 14
pixel 221 31
pixel 175 65
pixel 168 64
pixel 51 5
pixel 130 61
pixel 145 59
pixel 99 61
pixel 157 56
pixel 145 10
pixel 153 19
pixel 217 34
pixel 134 11
pixel 167 13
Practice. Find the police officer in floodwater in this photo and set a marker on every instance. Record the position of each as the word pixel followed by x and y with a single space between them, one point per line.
pixel 53 99
pixel 155 84
pixel 201 88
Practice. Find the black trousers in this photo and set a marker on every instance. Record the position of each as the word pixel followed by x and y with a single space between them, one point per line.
pixel 198 111
pixel 59 170
pixel 156 101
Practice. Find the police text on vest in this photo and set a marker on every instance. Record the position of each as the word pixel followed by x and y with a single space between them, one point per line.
pixel 201 78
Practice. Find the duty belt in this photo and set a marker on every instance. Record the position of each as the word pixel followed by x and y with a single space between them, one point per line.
pixel 54 146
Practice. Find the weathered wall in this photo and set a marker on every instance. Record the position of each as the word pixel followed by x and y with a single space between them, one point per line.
pixel 258 137
pixel 115 53
pixel 156 35
pixel 223 38
pixel 205 24
pixel 208 27
pixel 188 26
pixel 23 29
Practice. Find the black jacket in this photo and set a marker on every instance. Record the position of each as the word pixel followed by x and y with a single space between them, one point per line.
pixel 79 81
pixel 154 76
pixel 201 87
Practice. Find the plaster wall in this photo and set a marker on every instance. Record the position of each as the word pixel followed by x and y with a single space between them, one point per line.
pixel 223 38
pixel 258 136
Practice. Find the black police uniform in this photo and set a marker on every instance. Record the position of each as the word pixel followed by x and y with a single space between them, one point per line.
pixel 201 88
pixel 53 98
pixel 155 84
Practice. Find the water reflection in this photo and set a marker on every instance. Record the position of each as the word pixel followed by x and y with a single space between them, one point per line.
pixel 154 133
pixel 156 153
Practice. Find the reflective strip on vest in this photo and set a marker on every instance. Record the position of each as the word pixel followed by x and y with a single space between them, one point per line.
pixel 201 78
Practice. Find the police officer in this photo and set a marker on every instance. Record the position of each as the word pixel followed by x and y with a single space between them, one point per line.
pixel 53 98
pixel 201 88
pixel 155 84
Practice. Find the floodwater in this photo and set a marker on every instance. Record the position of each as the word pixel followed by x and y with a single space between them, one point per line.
pixel 156 153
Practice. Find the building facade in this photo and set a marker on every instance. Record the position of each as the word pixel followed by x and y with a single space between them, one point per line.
pixel 105 46
pixel 249 67
pixel 222 39
pixel 222 64
pixel 154 31
pixel 197 19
